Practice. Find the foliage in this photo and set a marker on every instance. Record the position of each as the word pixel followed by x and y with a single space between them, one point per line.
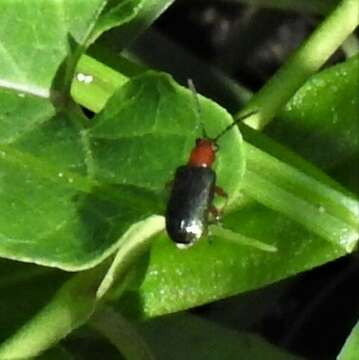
pixel 87 195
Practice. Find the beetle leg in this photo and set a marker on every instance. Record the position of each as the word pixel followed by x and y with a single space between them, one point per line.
pixel 220 192
pixel 216 214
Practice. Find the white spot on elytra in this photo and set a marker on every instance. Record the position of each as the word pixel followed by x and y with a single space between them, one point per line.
pixel 194 227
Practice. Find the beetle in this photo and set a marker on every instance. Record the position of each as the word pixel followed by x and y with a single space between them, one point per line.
pixel 193 190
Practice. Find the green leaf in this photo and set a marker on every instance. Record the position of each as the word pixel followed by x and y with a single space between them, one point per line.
pixel 325 211
pixel 320 122
pixel 350 350
pixel 48 162
pixel 68 221
pixel 149 127
pixel 177 280
pixel 36 46
pixel 63 217
pixel 40 52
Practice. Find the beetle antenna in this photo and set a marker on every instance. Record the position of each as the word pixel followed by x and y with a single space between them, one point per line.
pixel 235 122
pixel 197 107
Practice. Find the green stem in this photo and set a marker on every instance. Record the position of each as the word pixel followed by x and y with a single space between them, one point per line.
pixel 303 63
pixel 121 334
pixel 76 301
pixel 135 242
pixel 321 209
pixel 94 83
pixel 70 307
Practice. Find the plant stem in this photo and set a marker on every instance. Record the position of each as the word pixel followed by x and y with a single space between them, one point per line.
pixel 121 334
pixel 321 209
pixel 303 63
pixel 134 243
pixel 94 83
pixel 77 299
pixel 70 307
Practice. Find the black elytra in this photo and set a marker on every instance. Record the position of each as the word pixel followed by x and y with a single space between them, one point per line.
pixel 193 189
pixel 187 210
